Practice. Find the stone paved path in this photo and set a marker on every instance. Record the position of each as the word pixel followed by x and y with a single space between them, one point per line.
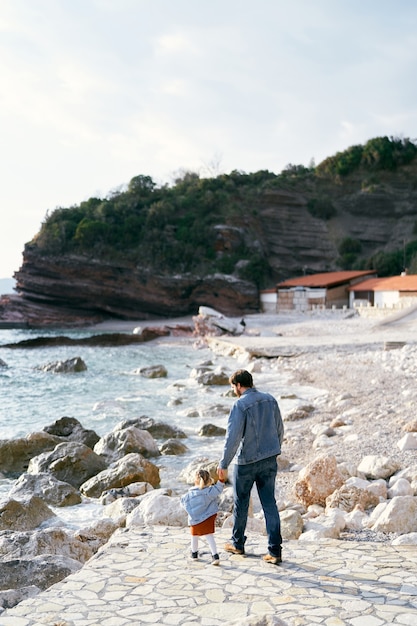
pixel 145 576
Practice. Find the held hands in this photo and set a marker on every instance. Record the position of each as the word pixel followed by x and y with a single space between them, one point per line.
pixel 222 474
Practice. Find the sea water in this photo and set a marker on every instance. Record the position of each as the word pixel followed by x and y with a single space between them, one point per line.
pixel 112 390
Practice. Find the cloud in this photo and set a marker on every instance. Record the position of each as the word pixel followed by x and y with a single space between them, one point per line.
pixel 172 44
pixel 95 92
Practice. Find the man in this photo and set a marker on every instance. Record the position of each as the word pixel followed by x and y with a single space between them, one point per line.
pixel 255 427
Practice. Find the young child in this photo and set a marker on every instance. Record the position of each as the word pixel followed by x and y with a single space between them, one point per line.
pixel 201 504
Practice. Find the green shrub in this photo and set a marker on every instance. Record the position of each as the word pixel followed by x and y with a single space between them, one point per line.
pixel 348 261
pixel 386 263
pixel 322 208
pixel 349 246
pixel 91 233
pixel 257 271
pixel 380 153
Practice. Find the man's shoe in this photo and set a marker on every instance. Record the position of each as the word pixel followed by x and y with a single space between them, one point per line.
pixel 194 555
pixel 270 558
pixel 229 547
pixel 215 559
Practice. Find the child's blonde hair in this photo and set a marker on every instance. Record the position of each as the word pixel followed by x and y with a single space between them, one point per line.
pixel 204 478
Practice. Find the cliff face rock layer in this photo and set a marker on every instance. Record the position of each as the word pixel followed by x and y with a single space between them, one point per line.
pixel 295 241
pixel 292 238
pixel 96 288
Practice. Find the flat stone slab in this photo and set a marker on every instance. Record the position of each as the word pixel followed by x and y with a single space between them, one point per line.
pixel 146 576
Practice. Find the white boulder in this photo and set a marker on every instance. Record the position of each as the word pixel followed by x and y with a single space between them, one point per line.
pixel 408 442
pixel 377 487
pixel 157 508
pixel 400 487
pixel 356 519
pixel 327 526
pixel 409 539
pixel 399 515
pixel 292 524
pixel 373 466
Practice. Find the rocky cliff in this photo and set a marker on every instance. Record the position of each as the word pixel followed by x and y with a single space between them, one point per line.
pixel 75 290
pixel 276 222
pixel 378 219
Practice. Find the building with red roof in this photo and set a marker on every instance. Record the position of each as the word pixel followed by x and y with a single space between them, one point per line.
pixel 384 292
pixel 323 290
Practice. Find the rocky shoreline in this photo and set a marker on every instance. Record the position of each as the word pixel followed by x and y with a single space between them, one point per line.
pixel 348 467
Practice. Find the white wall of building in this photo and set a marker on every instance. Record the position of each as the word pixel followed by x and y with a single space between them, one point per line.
pixel 386 298
pixel 268 301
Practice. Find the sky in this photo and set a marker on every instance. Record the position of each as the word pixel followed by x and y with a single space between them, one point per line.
pixel 95 92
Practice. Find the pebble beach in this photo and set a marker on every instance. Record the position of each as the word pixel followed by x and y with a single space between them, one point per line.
pixel 362 370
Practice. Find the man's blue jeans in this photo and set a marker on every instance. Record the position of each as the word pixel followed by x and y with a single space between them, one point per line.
pixel 263 474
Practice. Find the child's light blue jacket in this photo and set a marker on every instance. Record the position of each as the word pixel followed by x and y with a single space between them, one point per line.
pixel 201 504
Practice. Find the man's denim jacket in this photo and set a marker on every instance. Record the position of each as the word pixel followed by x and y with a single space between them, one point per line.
pixel 255 427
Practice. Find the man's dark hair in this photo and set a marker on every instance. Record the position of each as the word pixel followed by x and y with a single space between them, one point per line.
pixel 243 377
